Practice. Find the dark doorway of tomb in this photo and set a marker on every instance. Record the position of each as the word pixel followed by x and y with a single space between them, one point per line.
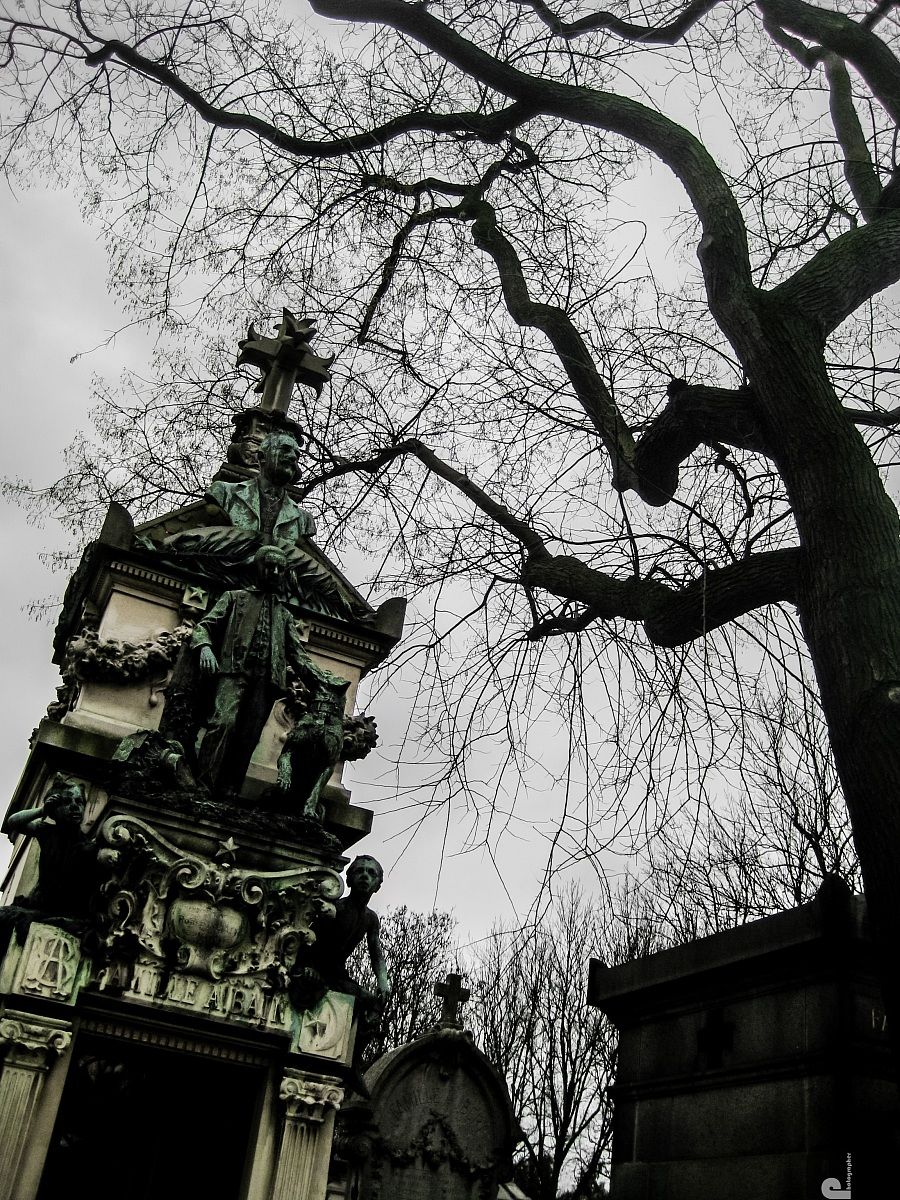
pixel 141 1123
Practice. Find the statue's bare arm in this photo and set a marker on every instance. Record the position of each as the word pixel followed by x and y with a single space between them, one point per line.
pixel 27 821
pixel 376 955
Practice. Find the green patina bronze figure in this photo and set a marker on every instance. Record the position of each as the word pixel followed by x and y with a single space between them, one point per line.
pixel 248 641
pixel 262 506
pixel 67 867
pixel 325 964
pixel 312 749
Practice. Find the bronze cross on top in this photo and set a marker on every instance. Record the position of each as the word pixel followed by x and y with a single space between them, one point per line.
pixel 284 360
pixel 453 994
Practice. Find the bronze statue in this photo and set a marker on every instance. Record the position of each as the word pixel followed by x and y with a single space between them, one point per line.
pixel 247 641
pixel 338 936
pixel 324 964
pixel 67 867
pixel 261 505
pixel 311 751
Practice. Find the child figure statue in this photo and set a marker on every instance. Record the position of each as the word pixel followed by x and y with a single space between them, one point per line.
pixel 324 964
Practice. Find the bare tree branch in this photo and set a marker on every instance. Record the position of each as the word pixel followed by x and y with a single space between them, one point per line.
pixel 723 247
pixel 416 221
pixel 846 272
pixel 859 169
pixel 609 23
pixel 877 420
pixel 855 43
pixel 672 617
pixel 694 415
pixel 491 126
pixel 574 355
pixel 528 538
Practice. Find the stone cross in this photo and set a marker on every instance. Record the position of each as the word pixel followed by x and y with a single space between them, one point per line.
pixel 284 360
pixel 453 994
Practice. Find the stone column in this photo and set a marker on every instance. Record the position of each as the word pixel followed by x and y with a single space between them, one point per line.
pixel 32 1044
pixel 311 1102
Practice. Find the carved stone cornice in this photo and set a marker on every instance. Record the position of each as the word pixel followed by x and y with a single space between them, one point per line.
pixel 32 1041
pixel 308 1097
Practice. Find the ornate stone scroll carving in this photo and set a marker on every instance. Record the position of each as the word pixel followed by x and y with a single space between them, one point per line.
pixel 310 1096
pixel 207 918
pixel 32 1043
pixel 31 1040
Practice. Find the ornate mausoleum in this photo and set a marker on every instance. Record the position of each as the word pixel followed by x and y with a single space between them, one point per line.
pixel 177 1017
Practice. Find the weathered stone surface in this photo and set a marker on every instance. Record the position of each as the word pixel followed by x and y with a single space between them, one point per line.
pixel 206 917
pixel 30 1043
pixel 751 1063
pixel 439 1123
pixel 49 965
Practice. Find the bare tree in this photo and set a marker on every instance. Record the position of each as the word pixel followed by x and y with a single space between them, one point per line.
pixel 627 468
pixel 419 951
pixel 764 849
pixel 532 1020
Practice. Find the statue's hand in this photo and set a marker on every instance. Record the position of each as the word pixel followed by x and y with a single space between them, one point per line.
pixel 209 664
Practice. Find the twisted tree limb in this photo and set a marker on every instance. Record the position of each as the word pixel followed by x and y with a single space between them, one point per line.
pixel 852 41
pixel 490 126
pixel 670 616
pixel 571 348
pixel 673 616
pixel 607 22
pixel 723 249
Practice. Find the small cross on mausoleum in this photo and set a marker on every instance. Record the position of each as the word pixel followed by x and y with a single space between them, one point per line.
pixel 452 994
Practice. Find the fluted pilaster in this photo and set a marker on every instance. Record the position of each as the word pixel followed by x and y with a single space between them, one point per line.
pixel 310 1102
pixel 31 1044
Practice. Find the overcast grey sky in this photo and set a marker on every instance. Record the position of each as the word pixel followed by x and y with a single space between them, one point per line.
pixel 57 306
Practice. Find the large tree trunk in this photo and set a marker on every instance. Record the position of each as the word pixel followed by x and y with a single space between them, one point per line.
pixel 849 601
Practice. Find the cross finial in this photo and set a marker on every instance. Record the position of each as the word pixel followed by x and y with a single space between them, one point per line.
pixel 453 994
pixel 284 360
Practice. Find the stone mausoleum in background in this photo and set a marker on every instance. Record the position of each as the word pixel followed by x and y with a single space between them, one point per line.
pixel 177 1019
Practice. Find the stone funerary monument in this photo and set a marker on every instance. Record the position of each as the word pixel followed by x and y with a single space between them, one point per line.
pixel 176 1016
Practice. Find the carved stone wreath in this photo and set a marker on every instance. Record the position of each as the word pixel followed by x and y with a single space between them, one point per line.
pixel 90 659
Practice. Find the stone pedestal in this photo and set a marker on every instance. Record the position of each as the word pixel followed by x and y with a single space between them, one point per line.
pixel 32 1045
pixel 754 1063
pixel 310 1102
